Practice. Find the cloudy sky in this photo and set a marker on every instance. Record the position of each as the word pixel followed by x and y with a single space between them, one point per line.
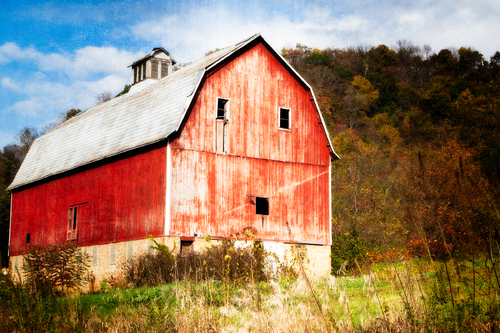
pixel 58 55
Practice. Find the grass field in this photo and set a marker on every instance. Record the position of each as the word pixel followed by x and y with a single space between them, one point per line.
pixel 410 296
pixel 226 289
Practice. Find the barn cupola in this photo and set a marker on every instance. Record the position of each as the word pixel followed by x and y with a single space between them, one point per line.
pixel 155 65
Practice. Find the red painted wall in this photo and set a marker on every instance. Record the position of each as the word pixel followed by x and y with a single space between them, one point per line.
pixel 210 191
pixel 121 201
pixel 211 196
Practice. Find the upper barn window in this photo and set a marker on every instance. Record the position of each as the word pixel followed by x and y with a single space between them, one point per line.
pixel 222 108
pixel 284 119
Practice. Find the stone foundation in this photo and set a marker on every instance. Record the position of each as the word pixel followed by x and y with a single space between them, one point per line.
pixel 108 260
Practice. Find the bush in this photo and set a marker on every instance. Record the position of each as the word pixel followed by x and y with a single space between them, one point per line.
pixel 55 269
pixel 222 261
pixel 152 268
pixel 347 248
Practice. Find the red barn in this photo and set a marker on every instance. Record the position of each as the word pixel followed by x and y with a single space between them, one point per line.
pixel 232 142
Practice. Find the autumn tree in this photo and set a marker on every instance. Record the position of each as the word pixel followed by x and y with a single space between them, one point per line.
pixel 360 96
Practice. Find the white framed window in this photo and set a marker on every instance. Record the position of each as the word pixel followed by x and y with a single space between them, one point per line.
pixel 221 139
pixel 284 119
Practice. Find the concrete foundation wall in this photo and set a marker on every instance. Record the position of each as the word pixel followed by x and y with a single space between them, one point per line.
pixel 107 260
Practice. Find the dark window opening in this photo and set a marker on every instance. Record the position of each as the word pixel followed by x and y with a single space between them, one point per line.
pixel 74 217
pixel 285 118
pixel 261 206
pixel 28 238
pixel 221 108
pixel 187 247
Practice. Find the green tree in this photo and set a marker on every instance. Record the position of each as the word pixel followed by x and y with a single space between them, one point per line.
pixel 125 90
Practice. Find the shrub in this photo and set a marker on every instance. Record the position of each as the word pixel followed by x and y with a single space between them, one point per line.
pixel 437 249
pixel 221 261
pixel 347 248
pixel 55 269
pixel 152 268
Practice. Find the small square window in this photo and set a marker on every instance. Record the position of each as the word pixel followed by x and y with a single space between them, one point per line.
pixel 28 238
pixel 187 247
pixel 261 206
pixel 285 118
pixel 221 108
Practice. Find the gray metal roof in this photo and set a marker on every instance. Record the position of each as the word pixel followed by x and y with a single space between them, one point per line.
pixel 124 123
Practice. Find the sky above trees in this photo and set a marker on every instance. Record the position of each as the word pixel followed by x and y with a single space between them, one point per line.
pixel 60 55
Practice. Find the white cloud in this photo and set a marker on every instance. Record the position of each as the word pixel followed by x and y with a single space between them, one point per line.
pixel 28 107
pixel 12 52
pixel 9 84
pixel 335 24
pixel 86 61
pixel 95 59
pixel 88 72
pixel 47 99
pixel 6 137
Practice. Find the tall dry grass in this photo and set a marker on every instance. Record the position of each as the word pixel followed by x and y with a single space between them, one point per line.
pixel 410 295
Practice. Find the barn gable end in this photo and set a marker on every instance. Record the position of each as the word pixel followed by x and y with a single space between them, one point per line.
pixel 247 154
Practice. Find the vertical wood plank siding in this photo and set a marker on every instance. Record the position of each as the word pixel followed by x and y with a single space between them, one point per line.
pixel 210 190
pixel 211 196
pixel 125 200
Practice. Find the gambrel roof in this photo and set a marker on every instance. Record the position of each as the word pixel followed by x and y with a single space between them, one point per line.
pixel 133 120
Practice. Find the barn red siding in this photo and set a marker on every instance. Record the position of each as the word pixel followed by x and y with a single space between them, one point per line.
pixel 210 192
pixel 214 194
pixel 121 201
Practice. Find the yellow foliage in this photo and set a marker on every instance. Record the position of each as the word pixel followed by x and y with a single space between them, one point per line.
pixel 364 87
pixel 390 135
pixel 381 119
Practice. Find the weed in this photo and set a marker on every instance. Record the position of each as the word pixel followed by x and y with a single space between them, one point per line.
pixel 55 269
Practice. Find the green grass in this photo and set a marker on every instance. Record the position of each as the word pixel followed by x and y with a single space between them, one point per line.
pixel 407 296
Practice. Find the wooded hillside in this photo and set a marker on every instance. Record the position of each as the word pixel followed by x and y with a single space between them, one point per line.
pixel 418 136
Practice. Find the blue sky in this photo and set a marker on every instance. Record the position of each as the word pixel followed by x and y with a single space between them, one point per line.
pixel 58 55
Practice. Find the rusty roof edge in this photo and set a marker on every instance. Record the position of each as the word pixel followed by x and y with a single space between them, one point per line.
pixel 82 165
pixel 334 154
pixel 313 96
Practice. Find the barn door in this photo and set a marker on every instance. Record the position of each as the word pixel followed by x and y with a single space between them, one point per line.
pixel 73 223
pixel 75 218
